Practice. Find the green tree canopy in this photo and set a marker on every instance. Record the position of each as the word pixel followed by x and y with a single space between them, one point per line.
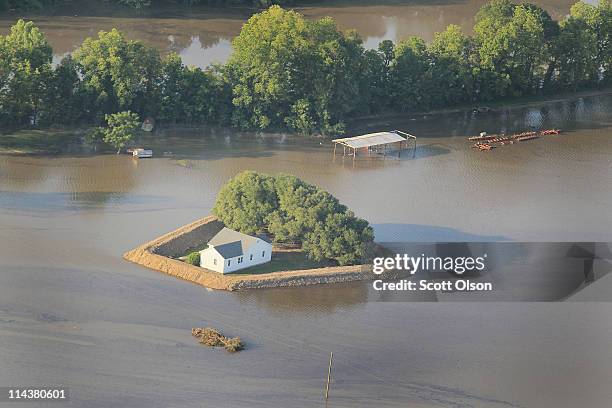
pixel 287 71
pixel 192 95
pixel 294 211
pixel 341 237
pixel 300 207
pixel 121 129
pixel 596 21
pixel 576 54
pixel 120 73
pixel 64 100
pixel 25 66
pixel 451 69
pixel 512 42
pixel 245 202
pixel 408 74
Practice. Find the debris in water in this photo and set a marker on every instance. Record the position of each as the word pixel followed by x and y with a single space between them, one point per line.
pixel 213 338
pixel 486 142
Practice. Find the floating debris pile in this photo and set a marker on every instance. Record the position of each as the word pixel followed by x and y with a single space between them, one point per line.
pixel 213 338
pixel 488 142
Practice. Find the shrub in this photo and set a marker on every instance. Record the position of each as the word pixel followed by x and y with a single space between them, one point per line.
pixel 193 258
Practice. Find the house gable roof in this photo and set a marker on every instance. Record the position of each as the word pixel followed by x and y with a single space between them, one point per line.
pixel 229 250
pixel 230 243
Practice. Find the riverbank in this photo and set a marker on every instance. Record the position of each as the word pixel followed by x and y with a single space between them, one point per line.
pixel 160 254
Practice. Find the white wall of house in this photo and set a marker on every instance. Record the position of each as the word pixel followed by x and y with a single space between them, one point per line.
pixel 211 259
pixel 257 254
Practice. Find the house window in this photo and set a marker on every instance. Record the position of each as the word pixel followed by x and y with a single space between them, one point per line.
pixel 263 253
pixel 251 257
pixel 240 259
pixel 229 262
pixel 215 261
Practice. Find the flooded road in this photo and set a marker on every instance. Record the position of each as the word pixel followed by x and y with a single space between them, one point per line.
pixel 73 313
pixel 202 35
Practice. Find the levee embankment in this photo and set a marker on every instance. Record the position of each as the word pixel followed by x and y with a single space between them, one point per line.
pixel 160 254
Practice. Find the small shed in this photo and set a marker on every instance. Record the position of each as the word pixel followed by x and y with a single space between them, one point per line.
pixel 375 142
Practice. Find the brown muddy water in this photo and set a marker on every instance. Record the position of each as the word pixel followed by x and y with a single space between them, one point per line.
pixel 202 35
pixel 73 313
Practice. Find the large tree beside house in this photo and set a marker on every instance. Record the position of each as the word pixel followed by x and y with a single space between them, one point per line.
pixel 296 212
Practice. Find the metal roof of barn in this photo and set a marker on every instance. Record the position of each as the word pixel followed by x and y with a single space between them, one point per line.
pixel 370 139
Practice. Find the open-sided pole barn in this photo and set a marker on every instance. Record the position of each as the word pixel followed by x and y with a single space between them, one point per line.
pixel 374 142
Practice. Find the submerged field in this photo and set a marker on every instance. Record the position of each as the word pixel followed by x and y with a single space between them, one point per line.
pixel 39 141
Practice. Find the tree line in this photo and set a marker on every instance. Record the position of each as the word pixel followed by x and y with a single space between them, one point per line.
pixel 295 212
pixel 286 72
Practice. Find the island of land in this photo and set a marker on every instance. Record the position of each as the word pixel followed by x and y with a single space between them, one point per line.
pixel 162 254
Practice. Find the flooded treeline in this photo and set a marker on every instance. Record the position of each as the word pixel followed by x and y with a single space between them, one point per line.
pixel 287 72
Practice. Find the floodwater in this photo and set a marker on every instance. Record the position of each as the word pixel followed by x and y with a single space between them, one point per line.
pixel 73 313
pixel 202 35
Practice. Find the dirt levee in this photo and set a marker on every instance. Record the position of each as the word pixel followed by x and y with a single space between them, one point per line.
pixel 159 254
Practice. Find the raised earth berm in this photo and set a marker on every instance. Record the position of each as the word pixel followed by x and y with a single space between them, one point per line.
pixel 160 254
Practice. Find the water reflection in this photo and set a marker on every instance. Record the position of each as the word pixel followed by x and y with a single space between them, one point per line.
pixel 390 25
pixel 201 55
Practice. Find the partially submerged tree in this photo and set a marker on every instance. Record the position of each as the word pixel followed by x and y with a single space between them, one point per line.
pixel 192 95
pixel 512 44
pixel 121 129
pixel 25 67
pixel 287 71
pixel 120 73
pixel 596 24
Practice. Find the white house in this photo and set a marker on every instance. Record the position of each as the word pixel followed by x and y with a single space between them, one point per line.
pixel 230 251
